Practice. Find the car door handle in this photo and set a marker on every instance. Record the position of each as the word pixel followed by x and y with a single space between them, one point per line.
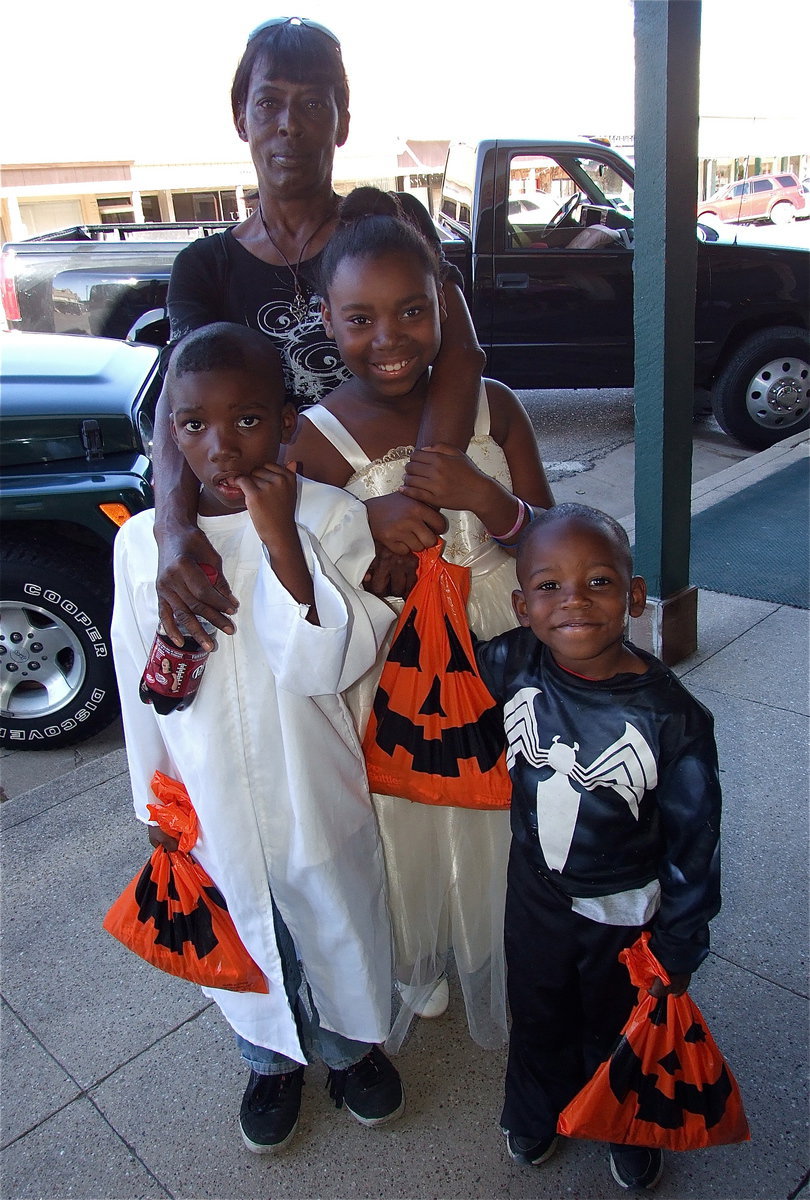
pixel 512 281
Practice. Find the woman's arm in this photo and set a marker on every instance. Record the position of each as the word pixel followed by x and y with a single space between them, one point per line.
pixel 194 299
pixel 183 588
pixel 455 380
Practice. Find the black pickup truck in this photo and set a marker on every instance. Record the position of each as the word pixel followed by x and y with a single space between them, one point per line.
pixel 543 234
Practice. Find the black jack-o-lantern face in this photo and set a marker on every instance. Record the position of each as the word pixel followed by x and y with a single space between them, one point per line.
pixel 665 1083
pixel 435 733
pixel 667 1098
pixel 438 735
pixel 173 927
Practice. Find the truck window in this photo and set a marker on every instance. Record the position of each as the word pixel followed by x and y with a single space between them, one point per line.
pixel 538 187
pixel 561 202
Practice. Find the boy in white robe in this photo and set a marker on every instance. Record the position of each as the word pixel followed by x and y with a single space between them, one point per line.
pixel 267 750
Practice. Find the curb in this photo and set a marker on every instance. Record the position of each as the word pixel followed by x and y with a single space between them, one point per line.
pixel 739 476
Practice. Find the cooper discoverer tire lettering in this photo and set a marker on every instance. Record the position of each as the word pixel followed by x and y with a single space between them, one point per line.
pixel 57 679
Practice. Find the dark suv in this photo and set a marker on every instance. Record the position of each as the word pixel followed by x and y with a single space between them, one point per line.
pixel 76 438
pixel 776 198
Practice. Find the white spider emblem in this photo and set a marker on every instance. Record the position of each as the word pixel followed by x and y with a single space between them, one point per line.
pixel 627 766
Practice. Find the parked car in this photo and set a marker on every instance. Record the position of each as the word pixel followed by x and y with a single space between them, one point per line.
pixel 74 465
pixel 537 209
pixel 775 198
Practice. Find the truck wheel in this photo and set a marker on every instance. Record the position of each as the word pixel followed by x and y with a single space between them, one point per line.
pixel 762 395
pixel 57 681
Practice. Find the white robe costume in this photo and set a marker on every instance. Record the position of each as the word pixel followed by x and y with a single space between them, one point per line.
pixel 271 760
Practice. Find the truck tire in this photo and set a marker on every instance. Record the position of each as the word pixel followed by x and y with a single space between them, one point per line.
pixel 57 680
pixel 762 395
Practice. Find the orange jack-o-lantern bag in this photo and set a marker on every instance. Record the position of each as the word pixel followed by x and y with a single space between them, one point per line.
pixel 666 1084
pixel 172 915
pixel 435 734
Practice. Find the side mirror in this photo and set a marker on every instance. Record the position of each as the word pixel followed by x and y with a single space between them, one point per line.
pixel 151 328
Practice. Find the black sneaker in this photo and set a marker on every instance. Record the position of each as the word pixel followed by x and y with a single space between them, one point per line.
pixel 528 1151
pixel 269 1113
pixel 636 1167
pixel 371 1089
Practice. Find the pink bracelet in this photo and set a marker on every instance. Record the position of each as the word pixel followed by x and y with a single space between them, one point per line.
pixel 504 537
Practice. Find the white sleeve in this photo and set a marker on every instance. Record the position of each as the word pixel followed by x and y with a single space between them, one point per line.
pixel 132 641
pixel 319 660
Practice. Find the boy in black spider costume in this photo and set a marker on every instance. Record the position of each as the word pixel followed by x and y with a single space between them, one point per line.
pixel 615 821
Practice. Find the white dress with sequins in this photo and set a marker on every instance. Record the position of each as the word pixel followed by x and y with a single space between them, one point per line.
pixel 446 867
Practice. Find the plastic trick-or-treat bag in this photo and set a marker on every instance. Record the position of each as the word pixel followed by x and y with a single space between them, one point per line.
pixel 666 1084
pixel 435 734
pixel 172 915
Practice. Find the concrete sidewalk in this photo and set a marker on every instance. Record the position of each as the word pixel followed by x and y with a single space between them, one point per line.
pixel 120 1082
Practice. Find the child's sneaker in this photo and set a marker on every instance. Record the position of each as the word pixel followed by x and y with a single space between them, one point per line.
pixel 636 1167
pixel 528 1151
pixel 371 1089
pixel 269 1114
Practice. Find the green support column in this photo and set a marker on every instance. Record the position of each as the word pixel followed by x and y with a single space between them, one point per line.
pixel 667 36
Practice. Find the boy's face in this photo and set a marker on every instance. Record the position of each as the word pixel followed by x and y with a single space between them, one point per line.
pixel 226 424
pixel 576 592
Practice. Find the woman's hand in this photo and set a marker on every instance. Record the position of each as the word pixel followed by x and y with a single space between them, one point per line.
pixel 184 590
pixel 402 525
pixel 390 574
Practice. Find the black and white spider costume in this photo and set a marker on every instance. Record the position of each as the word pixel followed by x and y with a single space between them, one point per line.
pixel 615 827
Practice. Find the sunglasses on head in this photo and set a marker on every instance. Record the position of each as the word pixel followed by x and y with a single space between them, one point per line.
pixel 294 21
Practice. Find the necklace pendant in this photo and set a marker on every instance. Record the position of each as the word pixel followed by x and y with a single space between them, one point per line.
pixel 299 307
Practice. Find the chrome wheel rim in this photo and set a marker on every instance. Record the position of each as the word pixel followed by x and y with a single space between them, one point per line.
pixel 779 394
pixel 42 663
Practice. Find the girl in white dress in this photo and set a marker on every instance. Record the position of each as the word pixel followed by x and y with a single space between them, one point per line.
pixel 446 866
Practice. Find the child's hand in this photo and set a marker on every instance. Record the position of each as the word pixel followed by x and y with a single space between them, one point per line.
pixel 402 525
pixel 390 574
pixel 677 986
pixel 271 493
pixel 158 838
pixel 445 477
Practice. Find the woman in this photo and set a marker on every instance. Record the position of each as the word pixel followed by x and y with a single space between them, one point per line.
pixel 290 102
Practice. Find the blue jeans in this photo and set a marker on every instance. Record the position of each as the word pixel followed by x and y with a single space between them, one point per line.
pixel 337 1051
